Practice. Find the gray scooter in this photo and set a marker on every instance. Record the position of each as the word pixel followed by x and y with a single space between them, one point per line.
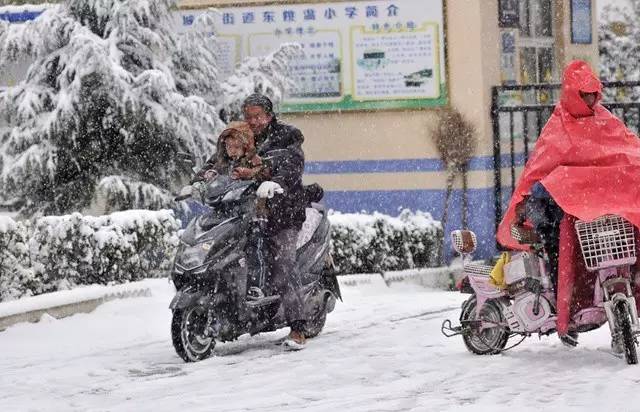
pixel 212 277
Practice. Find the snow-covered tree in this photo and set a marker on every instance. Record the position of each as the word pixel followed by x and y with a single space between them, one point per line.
pixel 619 41
pixel 112 95
pixel 619 44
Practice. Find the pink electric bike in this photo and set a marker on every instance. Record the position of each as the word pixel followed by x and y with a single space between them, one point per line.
pixel 527 306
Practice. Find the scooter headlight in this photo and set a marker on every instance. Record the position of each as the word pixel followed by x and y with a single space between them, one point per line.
pixel 193 257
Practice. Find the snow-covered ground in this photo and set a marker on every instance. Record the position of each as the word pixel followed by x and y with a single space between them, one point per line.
pixel 381 351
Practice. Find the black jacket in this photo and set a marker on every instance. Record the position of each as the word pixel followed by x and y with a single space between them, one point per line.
pixel 280 146
pixel 278 135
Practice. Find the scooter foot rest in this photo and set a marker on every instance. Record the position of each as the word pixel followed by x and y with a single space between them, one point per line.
pixel 263 302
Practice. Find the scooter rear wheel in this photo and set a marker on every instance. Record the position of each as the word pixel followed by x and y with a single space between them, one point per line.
pixel 188 335
pixel 623 323
pixel 489 341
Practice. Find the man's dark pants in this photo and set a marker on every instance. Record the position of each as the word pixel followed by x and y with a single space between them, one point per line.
pixel 285 278
pixel 545 215
pixel 277 252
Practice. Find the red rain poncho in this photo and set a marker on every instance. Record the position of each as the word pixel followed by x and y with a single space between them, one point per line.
pixel 590 164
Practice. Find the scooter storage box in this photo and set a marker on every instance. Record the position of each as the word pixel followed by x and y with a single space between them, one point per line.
pixel 522 265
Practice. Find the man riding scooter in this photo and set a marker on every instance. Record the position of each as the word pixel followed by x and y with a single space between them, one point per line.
pixel 595 145
pixel 279 145
pixel 218 295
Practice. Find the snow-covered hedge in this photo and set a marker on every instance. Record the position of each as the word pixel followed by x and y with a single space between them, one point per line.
pixel 17 278
pixel 59 252
pixel 367 243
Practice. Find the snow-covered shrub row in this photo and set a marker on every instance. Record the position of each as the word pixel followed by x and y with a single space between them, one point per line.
pixel 17 278
pixel 59 252
pixel 367 243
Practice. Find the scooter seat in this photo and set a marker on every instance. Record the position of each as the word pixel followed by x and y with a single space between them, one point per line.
pixel 311 223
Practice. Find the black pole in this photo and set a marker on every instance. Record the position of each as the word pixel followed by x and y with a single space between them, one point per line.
pixel 497 169
pixel 465 196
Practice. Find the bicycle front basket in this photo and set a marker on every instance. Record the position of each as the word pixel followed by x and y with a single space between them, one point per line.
pixel 607 241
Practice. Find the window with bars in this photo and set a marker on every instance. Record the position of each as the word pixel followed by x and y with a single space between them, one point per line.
pixel 536 18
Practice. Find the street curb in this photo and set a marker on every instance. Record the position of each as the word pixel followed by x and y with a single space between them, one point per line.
pixel 68 309
pixel 439 278
pixel 361 279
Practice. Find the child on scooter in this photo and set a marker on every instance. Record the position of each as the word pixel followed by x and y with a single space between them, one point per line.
pixel 235 155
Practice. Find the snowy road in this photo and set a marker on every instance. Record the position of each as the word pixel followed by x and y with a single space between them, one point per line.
pixel 381 351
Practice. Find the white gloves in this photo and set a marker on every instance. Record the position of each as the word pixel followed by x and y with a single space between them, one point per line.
pixel 186 191
pixel 269 189
pixel 210 175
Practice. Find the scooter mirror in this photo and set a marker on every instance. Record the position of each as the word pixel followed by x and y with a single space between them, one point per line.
pixel 464 241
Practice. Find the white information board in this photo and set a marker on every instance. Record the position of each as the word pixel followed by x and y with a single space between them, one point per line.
pixel 357 54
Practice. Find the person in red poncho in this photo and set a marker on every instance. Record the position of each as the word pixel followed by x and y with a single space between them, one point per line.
pixel 585 164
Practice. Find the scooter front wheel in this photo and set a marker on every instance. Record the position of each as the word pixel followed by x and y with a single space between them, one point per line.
pixel 623 325
pixel 488 341
pixel 189 335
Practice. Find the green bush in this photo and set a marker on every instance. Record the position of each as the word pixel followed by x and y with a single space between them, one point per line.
pixel 17 277
pixel 60 252
pixel 362 243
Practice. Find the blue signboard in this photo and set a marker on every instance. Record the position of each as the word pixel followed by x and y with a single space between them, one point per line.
pixel 19 17
pixel 581 24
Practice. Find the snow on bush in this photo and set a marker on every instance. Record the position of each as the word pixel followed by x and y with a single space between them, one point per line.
pixel 619 46
pixel 618 41
pixel 153 235
pixel 59 252
pixel 362 243
pixel 17 278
